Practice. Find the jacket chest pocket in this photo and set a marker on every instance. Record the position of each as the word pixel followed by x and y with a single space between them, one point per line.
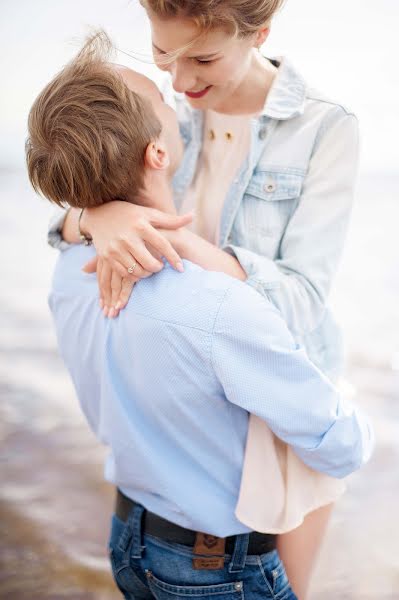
pixel 267 206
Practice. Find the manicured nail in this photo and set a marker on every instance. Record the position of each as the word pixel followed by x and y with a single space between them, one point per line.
pixel 105 311
pixel 101 303
pixel 118 305
pixel 180 266
pixel 111 313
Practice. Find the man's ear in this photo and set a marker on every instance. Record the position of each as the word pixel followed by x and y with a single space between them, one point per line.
pixel 261 36
pixel 156 156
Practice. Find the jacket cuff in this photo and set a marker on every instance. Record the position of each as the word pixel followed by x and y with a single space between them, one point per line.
pixel 262 272
pixel 54 236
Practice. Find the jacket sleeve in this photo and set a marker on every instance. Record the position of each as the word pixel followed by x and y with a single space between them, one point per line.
pixel 262 370
pixel 56 222
pixel 298 282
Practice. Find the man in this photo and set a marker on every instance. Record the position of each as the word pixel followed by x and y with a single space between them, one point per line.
pixel 168 385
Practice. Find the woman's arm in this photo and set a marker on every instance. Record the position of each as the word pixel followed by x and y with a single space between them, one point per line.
pixel 201 252
pixel 298 282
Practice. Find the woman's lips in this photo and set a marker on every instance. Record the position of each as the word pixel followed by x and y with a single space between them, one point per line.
pixel 198 94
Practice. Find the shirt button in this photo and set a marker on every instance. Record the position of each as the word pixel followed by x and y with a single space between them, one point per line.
pixel 270 186
pixel 262 133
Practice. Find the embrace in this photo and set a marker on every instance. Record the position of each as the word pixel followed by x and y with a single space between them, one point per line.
pixel 201 346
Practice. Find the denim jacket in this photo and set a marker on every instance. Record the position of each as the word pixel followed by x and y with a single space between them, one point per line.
pixel 286 214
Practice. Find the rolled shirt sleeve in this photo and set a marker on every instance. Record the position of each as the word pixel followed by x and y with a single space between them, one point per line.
pixel 299 280
pixel 263 371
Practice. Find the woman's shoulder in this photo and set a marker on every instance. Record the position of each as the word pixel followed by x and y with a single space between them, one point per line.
pixel 292 96
pixel 325 104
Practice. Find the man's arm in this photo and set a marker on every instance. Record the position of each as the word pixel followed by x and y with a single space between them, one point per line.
pixel 262 370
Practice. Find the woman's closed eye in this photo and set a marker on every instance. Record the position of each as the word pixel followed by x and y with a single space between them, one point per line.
pixel 204 62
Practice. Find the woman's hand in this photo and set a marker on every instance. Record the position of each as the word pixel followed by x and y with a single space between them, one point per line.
pixel 129 247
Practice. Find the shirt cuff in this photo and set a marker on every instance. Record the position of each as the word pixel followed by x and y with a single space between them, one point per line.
pixel 54 235
pixel 262 272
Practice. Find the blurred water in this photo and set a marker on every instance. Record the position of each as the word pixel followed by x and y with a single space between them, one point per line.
pixel 54 505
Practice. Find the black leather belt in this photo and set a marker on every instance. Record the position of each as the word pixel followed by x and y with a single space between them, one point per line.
pixel 259 543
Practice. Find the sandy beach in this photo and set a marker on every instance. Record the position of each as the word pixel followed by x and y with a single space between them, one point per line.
pixel 55 507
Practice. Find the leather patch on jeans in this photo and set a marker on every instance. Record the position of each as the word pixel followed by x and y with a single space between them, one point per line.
pixel 211 563
pixel 210 552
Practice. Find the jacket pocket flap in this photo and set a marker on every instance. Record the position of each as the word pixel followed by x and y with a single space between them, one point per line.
pixel 272 185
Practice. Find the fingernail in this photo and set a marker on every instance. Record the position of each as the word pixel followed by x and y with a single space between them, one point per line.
pixel 111 313
pixel 180 266
pixel 118 305
pixel 101 302
pixel 105 311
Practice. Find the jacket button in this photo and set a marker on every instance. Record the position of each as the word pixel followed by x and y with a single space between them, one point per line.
pixel 262 133
pixel 270 186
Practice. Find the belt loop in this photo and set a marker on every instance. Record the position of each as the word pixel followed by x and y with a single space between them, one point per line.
pixel 132 535
pixel 240 553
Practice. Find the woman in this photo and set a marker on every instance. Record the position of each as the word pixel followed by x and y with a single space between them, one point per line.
pixel 269 167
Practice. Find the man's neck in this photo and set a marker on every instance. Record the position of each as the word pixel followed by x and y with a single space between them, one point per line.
pixel 157 192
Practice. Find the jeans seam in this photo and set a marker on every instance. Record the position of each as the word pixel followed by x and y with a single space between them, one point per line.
pixel 264 576
pixel 195 590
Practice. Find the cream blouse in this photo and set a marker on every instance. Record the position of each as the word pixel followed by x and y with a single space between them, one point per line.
pixel 277 489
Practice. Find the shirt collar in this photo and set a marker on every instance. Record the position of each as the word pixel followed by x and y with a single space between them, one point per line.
pixel 286 97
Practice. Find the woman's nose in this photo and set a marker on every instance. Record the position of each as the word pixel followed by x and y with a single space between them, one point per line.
pixel 182 78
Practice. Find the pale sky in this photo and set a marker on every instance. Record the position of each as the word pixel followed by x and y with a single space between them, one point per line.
pixel 346 48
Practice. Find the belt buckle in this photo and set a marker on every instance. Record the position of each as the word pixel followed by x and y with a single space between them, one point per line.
pixel 211 550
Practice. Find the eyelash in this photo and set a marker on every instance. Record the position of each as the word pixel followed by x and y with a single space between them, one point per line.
pixel 203 62
pixel 197 60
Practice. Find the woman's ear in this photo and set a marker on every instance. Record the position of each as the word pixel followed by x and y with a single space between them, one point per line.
pixel 261 36
pixel 156 156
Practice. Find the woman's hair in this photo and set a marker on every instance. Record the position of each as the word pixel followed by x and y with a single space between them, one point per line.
pixel 240 17
pixel 88 132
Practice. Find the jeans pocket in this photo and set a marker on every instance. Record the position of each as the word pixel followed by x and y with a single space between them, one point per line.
pixel 275 578
pixel 126 578
pixel 220 591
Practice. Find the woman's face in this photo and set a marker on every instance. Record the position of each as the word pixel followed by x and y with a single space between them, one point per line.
pixel 210 70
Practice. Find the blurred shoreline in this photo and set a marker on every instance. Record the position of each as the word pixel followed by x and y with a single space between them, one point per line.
pixel 55 507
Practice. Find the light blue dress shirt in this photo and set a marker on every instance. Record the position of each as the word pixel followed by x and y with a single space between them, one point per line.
pixel 168 385
pixel 286 213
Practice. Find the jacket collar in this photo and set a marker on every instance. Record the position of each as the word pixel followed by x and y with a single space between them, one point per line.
pixel 286 97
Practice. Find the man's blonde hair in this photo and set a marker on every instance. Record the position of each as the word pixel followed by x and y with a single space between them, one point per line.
pixel 88 132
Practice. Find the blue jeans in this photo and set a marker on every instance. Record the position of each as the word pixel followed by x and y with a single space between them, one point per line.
pixel 148 568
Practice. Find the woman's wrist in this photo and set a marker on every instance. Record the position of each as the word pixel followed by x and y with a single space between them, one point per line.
pixel 85 221
pixel 70 228
pixel 180 239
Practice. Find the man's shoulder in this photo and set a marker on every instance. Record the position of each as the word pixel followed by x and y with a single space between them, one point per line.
pixel 189 299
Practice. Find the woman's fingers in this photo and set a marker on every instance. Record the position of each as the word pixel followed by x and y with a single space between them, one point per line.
pixel 126 290
pixel 116 288
pixel 125 263
pixel 164 247
pixel 105 286
pixel 143 256
pixel 91 266
pixel 163 220
pixel 99 272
